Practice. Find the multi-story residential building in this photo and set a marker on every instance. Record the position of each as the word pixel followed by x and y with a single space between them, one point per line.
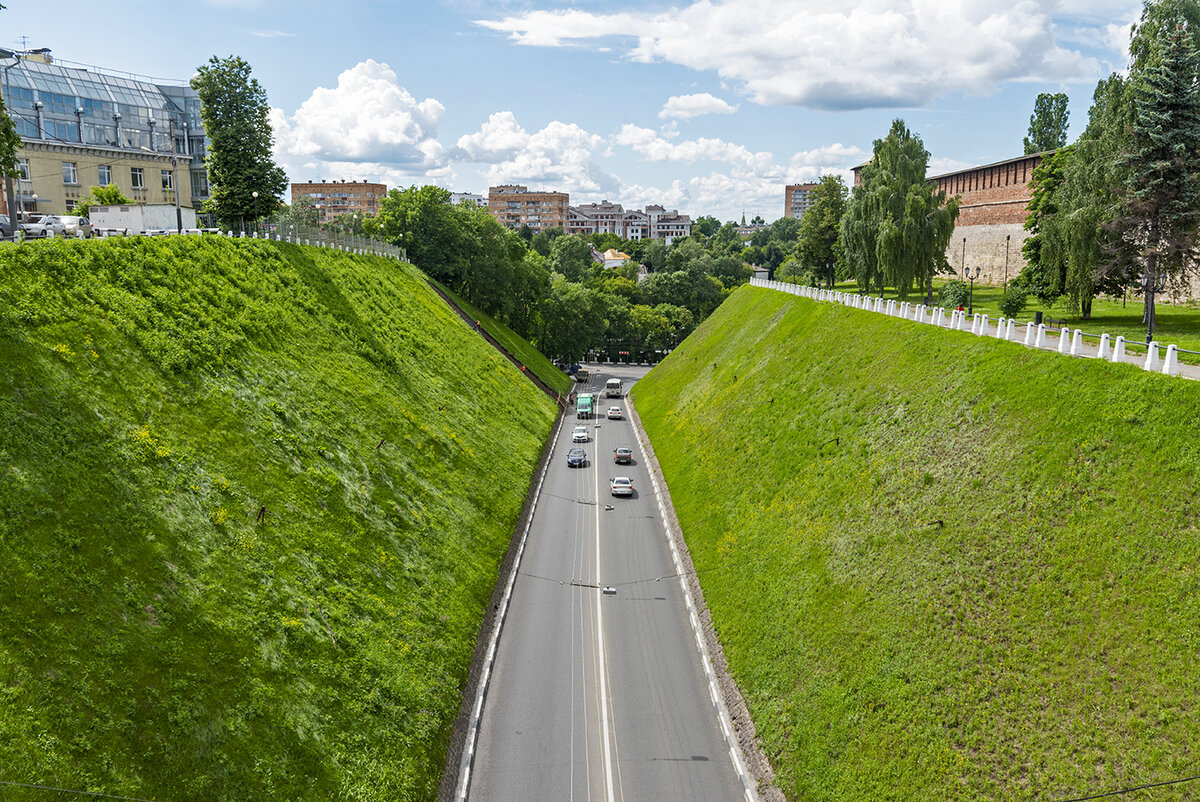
pixel 334 198
pixel 797 199
pixel 471 197
pixel 515 206
pixel 84 127
pixel 611 218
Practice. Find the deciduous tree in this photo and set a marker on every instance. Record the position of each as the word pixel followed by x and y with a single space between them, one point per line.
pixel 820 227
pixel 1048 124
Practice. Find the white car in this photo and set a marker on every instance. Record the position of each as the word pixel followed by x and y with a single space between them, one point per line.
pixel 622 486
pixel 580 435
pixel 615 413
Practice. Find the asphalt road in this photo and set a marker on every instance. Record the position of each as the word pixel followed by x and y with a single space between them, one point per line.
pixel 596 696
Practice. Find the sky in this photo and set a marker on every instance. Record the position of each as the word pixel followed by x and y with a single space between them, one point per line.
pixel 709 107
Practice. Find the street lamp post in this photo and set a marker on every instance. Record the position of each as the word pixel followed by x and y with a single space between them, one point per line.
pixel 1151 285
pixel 1007 242
pixel 254 195
pixel 971 295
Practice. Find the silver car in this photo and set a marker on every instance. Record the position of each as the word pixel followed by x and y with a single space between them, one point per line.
pixel 75 226
pixel 50 225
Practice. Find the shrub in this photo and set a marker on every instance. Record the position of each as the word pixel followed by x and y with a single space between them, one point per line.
pixel 1013 301
pixel 953 294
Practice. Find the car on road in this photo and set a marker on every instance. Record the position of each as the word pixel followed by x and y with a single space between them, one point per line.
pixel 576 458
pixel 50 225
pixel 623 455
pixel 580 435
pixel 6 228
pixel 615 413
pixel 621 486
pixel 76 226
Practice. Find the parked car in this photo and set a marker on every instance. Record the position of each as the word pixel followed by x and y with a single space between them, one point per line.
pixel 622 486
pixel 614 413
pixel 6 229
pixel 75 226
pixel 623 455
pixel 580 435
pixel 49 225
pixel 576 458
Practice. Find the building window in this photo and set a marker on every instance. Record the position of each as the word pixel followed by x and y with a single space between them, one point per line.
pixel 23 169
pixel 70 176
pixel 136 179
pixel 105 171
pixel 64 132
pixel 166 181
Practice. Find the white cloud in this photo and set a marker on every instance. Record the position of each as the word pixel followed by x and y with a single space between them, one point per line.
pixel 560 156
pixel 272 34
pixel 367 117
pixel 862 54
pixel 688 106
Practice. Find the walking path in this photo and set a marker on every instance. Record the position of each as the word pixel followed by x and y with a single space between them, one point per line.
pixel 1156 357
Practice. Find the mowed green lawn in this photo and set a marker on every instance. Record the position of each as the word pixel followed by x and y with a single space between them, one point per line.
pixel 941 567
pixel 253 500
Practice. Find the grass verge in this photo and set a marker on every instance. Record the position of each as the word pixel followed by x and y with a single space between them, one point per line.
pixel 253 497
pixel 940 566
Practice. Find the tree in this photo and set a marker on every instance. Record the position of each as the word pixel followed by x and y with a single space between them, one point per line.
pixel 785 231
pixel 706 225
pixel 1162 187
pixel 1048 124
pixel 571 256
pixel 234 109
pixel 109 195
pixel 10 142
pixel 897 224
pixel 654 255
pixel 820 226
pixel 302 212
pixel 434 233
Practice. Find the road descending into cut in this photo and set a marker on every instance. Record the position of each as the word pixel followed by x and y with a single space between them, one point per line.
pixel 599 696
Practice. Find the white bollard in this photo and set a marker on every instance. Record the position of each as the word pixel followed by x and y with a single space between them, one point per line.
pixel 1064 340
pixel 999 335
pixel 1105 347
pixel 1118 354
pixel 1077 343
pixel 1171 364
pixel 1040 342
pixel 1152 361
pixel 974 324
pixel 983 326
pixel 1029 332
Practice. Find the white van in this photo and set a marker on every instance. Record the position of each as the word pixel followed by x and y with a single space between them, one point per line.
pixel 613 389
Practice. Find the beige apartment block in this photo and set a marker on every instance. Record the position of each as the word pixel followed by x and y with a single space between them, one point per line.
pixel 55 175
pixel 335 198
pixel 797 199
pixel 515 206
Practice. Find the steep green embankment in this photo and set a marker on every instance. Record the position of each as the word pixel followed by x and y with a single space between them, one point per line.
pixel 253 498
pixel 941 566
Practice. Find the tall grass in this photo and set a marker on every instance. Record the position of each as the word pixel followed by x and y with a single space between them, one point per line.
pixel 941 566
pixel 253 498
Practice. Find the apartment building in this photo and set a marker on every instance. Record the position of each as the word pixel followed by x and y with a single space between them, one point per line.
pixel 335 198
pixel 470 197
pixel 515 206
pixel 612 218
pixel 797 199
pixel 82 127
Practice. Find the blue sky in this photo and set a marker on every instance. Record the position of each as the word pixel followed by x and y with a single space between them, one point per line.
pixel 706 106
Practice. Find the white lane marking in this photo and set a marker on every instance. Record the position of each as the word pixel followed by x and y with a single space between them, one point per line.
pixel 749 787
pixel 464 780
pixel 602 668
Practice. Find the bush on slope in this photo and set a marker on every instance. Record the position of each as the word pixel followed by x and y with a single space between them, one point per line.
pixel 253 498
pixel 941 566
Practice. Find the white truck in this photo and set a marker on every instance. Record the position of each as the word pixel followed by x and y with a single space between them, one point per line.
pixel 613 389
pixel 140 218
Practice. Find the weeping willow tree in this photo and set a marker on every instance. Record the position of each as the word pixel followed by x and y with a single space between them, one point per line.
pixel 898 224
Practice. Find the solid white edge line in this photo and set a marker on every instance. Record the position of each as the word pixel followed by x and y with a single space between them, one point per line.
pixel 602 667
pixel 735 749
pixel 464 780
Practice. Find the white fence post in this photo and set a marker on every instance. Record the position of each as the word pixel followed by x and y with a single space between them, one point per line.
pixel 1105 347
pixel 1010 330
pixel 1064 340
pixel 983 326
pixel 1118 354
pixel 1171 365
pixel 1152 362
pixel 1029 332
pixel 1040 342
pixel 1077 343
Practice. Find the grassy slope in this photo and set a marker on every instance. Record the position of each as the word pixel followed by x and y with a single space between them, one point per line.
pixel 516 345
pixel 1041 644
pixel 156 640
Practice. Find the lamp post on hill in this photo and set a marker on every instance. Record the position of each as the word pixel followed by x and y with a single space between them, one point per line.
pixel 254 195
pixel 971 295
pixel 1151 285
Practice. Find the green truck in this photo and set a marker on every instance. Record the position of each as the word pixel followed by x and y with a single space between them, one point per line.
pixel 584 405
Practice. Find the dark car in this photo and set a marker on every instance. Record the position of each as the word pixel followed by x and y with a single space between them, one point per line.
pixel 576 458
pixel 6 229
pixel 623 455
